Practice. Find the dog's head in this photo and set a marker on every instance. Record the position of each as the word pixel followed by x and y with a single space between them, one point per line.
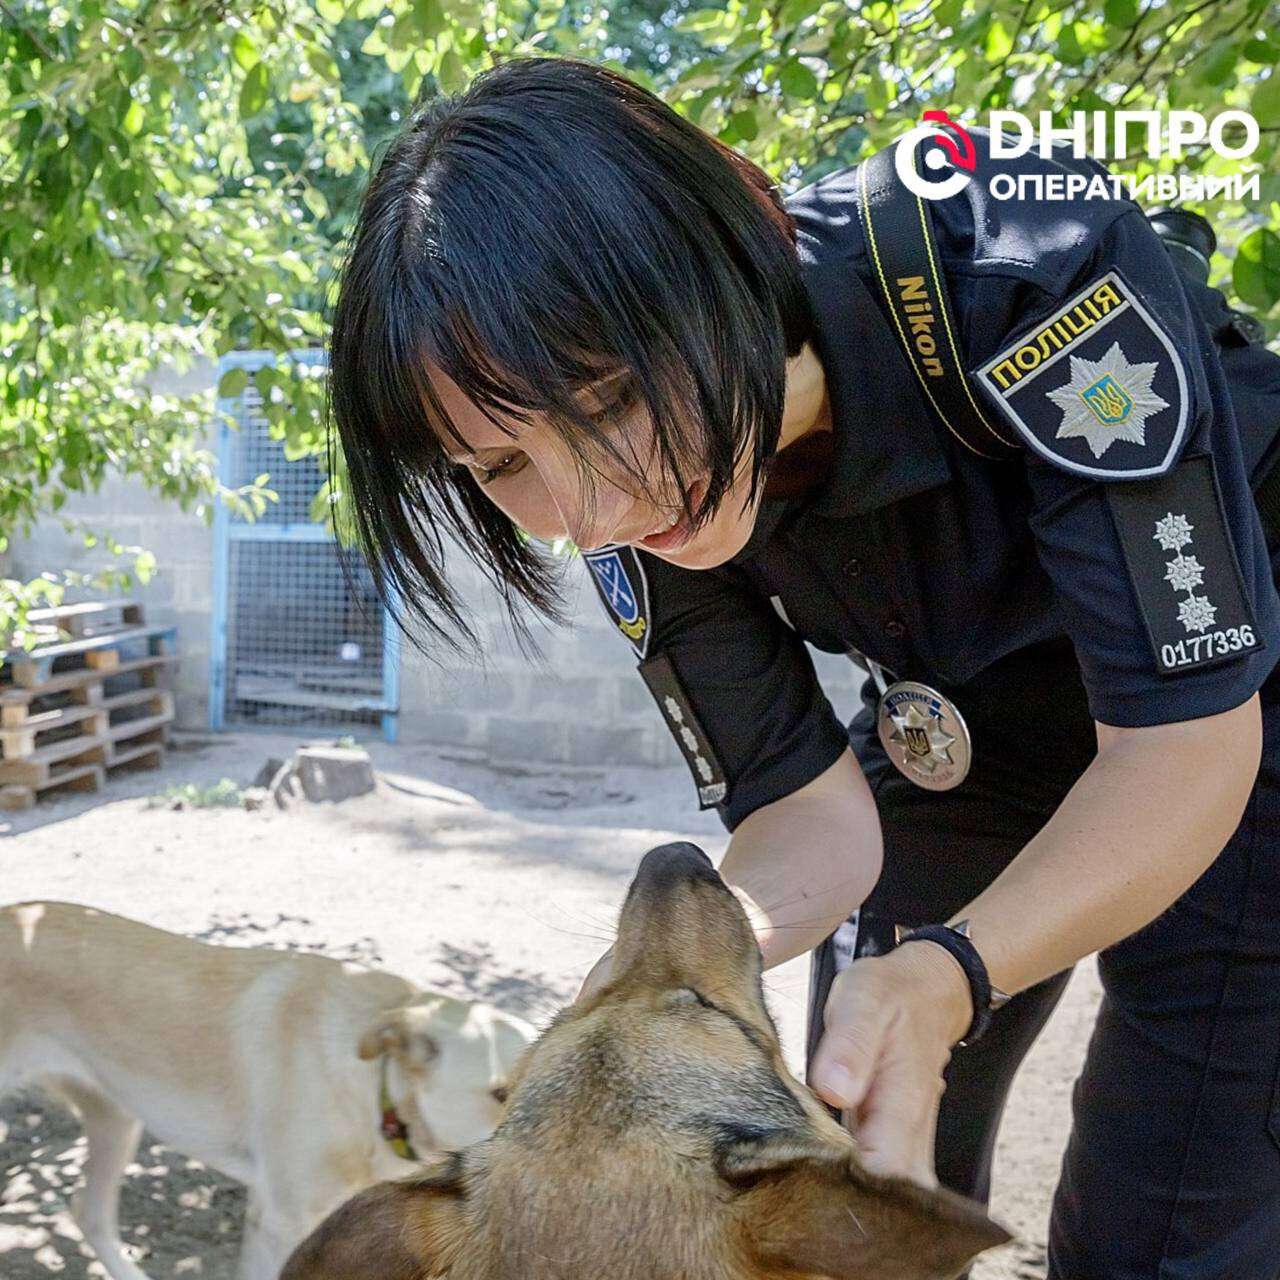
pixel 653 1133
pixel 450 1066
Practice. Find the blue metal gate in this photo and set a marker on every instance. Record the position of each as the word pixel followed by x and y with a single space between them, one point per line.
pixel 294 642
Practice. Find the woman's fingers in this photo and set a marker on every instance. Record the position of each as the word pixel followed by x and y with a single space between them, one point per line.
pixel 846 1059
pixel 881 1060
pixel 895 1129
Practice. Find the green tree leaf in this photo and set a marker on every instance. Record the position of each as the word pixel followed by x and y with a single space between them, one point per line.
pixel 797 81
pixel 133 119
pixel 1256 272
pixel 429 17
pixel 1121 13
pixel 232 383
pixel 742 126
pixel 451 74
pixel 243 50
pixel 255 91
pixel 1266 102
pixel 314 199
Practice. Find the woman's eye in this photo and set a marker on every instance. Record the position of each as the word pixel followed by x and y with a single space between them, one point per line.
pixel 490 474
pixel 617 406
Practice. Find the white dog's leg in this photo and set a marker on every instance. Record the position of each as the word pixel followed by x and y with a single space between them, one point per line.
pixel 112 1137
pixel 269 1238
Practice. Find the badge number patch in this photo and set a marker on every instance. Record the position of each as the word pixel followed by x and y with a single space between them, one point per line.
pixel 1098 388
pixel 695 746
pixel 619 578
pixel 1184 568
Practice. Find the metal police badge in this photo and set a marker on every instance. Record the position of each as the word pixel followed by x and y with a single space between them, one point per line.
pixel 1098 388
pixel 924 735
pixel 619 578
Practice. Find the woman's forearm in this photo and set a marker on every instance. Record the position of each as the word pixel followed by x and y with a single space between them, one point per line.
pixel 802 864
pixel 1142 823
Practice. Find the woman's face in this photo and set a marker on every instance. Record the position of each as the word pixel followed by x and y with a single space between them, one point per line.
pixel 533 476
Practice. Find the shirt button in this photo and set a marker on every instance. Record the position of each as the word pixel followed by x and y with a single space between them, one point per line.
pixel 895 629
pixel 853 568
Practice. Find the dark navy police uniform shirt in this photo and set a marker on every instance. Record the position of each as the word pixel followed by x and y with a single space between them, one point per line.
pixel 937 563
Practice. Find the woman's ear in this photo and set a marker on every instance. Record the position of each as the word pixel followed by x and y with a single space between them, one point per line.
pixel 410 1229
pixel 812 1209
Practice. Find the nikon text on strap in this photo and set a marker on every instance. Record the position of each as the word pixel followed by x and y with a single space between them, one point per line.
pixel 904 256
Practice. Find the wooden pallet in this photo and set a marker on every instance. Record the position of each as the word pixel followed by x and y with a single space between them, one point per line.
pixel 76 777
pixel 132 742
pixel 99 652
pixel 76 707
pixel 85 685
pixel 41 766
pixel 79 621
pixel 36 732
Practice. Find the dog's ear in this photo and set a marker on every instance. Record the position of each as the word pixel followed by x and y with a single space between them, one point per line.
pixel 410 1229
pixel 405 1034
pixel 811 1208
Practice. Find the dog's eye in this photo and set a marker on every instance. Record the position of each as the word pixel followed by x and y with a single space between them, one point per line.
pixel 687 998
pixel 500 1094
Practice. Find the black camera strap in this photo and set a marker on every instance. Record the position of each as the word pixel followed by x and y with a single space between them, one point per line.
pixel 904 256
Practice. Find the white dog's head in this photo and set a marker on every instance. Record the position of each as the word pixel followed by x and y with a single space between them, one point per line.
pixel 449 1063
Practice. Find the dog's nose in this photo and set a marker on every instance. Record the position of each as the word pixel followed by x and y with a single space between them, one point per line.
pixel 675 864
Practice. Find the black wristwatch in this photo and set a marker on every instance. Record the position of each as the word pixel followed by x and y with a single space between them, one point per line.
pixel 955 939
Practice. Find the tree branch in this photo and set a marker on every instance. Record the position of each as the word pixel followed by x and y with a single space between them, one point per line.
pixel 45 52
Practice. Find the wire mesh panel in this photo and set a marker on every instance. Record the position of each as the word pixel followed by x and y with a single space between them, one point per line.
pixel 252 452
pixel 296 641
pixel 301 647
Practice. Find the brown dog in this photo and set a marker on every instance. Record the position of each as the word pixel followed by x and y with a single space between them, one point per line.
pixel 653 1133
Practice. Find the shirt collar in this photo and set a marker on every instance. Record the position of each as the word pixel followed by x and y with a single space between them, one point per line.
pixel 886 445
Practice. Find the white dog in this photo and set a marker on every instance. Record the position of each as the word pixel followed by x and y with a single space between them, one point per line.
pixel 305 1078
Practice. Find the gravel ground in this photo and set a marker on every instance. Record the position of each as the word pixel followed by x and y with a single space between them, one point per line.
pixel 492 881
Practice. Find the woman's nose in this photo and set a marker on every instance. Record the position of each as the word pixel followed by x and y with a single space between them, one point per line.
pixel 592 510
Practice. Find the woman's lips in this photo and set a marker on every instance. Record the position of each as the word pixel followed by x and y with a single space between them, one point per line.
pixel 680 532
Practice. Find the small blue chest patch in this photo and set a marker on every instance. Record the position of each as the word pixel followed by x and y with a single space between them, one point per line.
pixel 619 578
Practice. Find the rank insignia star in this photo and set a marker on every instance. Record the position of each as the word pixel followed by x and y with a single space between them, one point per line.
pixel 1107 400
pixel 1183 573
pixel 1196 613
pixel 1173 532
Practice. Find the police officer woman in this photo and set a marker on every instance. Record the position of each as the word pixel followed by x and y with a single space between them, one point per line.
pixel 569 312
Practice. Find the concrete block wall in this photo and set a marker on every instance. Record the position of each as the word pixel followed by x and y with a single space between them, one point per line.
pixel 581 703
pixel 180 594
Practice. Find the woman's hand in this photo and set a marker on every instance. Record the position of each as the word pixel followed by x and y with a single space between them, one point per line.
pixel 890 1023
pixel 600 973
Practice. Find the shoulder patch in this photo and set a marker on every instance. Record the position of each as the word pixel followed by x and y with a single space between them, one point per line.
pixel 1184 569
pixel 619 578
pixel 708 776
pixel 1098 388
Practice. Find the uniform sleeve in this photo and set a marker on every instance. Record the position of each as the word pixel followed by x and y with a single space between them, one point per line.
pixel 1163 581
pixel 735 685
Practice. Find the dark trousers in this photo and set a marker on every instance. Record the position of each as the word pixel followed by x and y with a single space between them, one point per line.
pixel 1172 1171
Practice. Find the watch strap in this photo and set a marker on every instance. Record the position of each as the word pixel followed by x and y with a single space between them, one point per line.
pixel 955 940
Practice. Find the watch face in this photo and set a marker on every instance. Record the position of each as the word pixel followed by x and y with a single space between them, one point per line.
pixel 924 735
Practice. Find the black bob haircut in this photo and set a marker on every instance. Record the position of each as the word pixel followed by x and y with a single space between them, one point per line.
pixel 551 224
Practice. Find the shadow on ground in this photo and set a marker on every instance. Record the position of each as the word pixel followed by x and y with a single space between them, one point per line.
pixel 179 1218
